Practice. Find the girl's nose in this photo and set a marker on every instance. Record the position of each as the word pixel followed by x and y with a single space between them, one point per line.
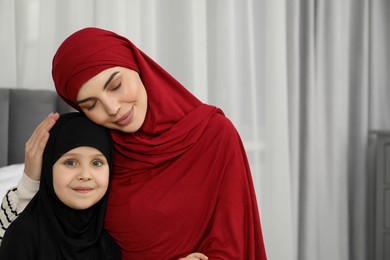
pixel 84 175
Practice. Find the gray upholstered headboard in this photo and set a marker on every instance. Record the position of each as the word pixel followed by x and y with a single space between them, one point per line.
pixel 20 112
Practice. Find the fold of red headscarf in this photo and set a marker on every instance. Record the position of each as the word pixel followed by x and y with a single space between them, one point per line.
pixel 85 54
pixel 182 182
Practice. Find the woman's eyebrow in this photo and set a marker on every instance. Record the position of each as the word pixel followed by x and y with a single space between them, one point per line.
pixel 110 79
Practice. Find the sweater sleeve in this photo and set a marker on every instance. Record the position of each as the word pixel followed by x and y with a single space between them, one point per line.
pixel 15 201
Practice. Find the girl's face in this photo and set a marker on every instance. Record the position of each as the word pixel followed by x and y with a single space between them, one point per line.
pixel 80 177
pixel 115 98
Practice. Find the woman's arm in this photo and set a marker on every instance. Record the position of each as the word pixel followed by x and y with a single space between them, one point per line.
pixel 15 201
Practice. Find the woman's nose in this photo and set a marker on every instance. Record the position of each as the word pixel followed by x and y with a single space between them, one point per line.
pixel 112 106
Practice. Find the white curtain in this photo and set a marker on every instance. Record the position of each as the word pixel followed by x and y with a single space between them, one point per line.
pixel 338 68
pixel 304 81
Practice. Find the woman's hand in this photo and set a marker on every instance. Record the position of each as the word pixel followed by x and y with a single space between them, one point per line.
pixel 36 145
pixel 195 256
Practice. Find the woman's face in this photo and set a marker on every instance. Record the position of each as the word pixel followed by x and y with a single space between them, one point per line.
pixel 115 98
pixel 80 177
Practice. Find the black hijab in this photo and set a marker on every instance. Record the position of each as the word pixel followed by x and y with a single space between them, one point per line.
pixel 47 228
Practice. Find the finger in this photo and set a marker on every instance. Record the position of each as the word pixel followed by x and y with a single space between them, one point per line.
pixel 42 144
pixel 198 255
pixel 40 134
pixel 194 258
pixel 56 116
pixel 43 130
pixel 41 126
pixel 35 146
pixel 37 129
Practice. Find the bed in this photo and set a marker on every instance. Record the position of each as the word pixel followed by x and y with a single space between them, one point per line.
pixel 20 112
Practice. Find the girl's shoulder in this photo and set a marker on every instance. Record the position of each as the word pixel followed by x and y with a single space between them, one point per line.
pixel 20 240
pixel 21 231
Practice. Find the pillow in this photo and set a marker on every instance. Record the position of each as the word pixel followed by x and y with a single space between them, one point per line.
pixel 9 177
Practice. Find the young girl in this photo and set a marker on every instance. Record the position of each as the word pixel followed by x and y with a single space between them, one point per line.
pixel 65 218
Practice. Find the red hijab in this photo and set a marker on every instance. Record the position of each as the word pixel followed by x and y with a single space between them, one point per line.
pixel 182 182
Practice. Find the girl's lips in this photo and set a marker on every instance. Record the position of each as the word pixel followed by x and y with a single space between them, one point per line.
pixel 126 118
pixel 83 189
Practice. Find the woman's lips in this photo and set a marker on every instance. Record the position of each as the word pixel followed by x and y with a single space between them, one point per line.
pixel 126 118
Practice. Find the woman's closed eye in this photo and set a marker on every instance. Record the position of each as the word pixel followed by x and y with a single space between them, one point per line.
pixel 116 87
pixel 90 106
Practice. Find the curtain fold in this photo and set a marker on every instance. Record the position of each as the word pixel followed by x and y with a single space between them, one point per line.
pixel 323 92
pixel 304 82
pixel 8 67
pixel 276 180
pixel 337 95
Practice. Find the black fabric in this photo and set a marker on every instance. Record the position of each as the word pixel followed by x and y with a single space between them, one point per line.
pixel 48 229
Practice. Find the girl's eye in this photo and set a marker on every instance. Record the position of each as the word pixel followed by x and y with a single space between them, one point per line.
pixel 70 163
pixel 97 163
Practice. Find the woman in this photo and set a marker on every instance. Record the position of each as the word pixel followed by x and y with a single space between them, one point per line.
pixel 181 180
pixel 65 218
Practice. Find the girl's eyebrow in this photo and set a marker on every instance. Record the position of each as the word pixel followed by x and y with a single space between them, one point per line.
pixel 104 87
